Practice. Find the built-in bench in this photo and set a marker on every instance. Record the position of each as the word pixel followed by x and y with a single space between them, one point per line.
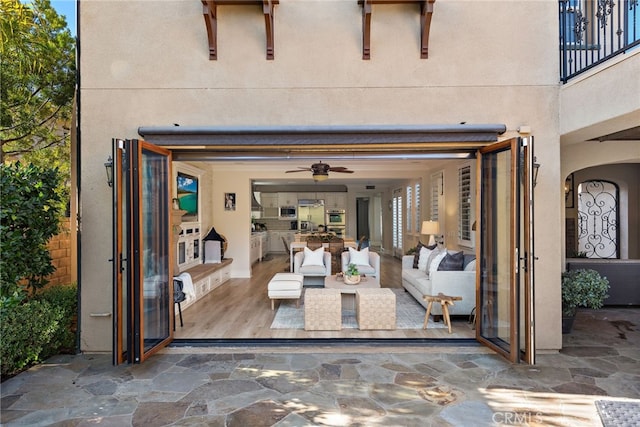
pixel 624 287
pixel 207 277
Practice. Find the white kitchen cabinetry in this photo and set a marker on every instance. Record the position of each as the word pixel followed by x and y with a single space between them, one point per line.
pixel 258 247
pixel 269 200
pixel 335 201
pixel 269 203
pixel 287 199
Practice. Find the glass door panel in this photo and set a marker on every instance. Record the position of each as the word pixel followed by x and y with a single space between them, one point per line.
pixel 142 257
pixel 497 294
pixel 121 307
pixel 154 247
pixel 505 272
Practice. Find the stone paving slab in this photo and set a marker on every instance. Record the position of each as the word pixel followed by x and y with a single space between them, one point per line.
pixel 328 386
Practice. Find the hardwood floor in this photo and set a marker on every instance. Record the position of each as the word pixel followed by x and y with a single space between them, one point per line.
pixel 240 309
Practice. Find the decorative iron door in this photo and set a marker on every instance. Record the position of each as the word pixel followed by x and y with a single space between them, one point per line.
pixel 598 219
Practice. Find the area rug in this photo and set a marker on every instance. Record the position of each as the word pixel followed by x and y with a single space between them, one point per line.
pixel 409 314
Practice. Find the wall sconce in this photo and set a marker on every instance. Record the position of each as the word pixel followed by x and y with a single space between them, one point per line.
pixel 432 228
pixel 108 166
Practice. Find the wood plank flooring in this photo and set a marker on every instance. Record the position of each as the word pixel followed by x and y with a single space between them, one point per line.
pixel 241 309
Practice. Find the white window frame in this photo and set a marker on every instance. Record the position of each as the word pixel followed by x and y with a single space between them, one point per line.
pixel 466 205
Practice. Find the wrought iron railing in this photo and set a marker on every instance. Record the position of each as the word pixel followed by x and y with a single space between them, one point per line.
pixel 593 31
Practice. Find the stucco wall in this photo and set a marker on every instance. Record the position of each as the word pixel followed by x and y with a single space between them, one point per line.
pixel 146 64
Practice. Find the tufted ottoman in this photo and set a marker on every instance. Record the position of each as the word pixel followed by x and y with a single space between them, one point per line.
pixel 285 286
pixel 376 308
pixel 322 309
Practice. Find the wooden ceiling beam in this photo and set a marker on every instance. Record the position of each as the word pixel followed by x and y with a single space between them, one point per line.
pixel 210 13
pixel 426 12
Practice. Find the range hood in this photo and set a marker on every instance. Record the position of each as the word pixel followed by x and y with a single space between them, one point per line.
pixel 255 205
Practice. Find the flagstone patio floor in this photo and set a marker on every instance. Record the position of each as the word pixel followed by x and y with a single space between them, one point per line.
pixel 339 385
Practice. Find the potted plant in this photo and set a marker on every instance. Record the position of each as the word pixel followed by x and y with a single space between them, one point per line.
pixel 581 288
pixel 352 275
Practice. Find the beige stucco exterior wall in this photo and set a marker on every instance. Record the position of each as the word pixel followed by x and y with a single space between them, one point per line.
pixel 146 64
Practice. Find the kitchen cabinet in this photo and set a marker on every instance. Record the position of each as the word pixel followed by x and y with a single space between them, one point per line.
pixel 275 242
pixel 307 196
pixel 258 247
pixel 335 201
pixel 269 200
pixel 269 203
pixel 287 199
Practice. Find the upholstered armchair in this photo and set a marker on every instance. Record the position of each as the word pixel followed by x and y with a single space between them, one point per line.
pixel 316 264
pixel 368 262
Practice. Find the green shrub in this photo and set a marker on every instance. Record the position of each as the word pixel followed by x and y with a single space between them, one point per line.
pixel 583 288
pixel 26 329
pixel 65 298
pixel 30 214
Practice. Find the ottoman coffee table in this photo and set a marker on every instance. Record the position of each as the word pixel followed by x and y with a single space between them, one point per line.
pixel 349 291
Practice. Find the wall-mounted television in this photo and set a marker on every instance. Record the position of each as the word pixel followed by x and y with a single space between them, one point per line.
pixel 187 189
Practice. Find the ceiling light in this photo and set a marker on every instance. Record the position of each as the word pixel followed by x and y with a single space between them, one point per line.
pixel 320 177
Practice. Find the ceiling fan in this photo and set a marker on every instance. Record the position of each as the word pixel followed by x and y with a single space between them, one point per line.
pixel 320 171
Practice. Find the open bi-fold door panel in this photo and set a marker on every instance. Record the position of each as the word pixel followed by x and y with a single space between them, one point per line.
pixel 505 271
pixel 142 268
pixel 504 297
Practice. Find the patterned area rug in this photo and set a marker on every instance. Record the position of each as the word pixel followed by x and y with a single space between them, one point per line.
pixel 409 314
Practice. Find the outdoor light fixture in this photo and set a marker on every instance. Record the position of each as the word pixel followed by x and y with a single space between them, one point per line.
pixel 108 165
pixel 432 228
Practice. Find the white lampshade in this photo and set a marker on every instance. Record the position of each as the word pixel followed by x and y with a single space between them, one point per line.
pixel 432 228
pixel 429 227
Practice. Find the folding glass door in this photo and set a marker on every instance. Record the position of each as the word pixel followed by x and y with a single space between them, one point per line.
pixel 505 295
pixel 142 266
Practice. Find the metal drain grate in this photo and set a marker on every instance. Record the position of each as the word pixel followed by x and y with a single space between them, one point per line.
pixel 619 414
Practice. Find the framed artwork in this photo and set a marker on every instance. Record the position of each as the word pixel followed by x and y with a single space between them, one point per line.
pixel 229 201
pixel 568 192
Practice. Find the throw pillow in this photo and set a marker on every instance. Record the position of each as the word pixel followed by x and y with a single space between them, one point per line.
pixel 471 266
pixel 424 258
pixel 452 262
pixel 315 257
pixel 416 254
pixel 359 257
pixel 435 262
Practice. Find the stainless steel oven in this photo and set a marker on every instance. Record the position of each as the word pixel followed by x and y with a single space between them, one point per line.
pixel 335 217
pixel 288 212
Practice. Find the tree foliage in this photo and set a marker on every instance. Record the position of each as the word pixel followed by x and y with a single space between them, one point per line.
pixel 31 206
pixel 37 83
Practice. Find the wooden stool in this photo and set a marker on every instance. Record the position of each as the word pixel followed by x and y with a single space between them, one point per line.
pixel 445 301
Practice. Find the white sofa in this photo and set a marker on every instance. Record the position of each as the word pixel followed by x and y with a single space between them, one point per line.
pixel 453 283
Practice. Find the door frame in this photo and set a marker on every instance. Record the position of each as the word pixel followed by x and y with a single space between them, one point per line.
pixel 521 345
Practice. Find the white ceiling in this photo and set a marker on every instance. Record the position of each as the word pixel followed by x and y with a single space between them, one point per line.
pixel 380 173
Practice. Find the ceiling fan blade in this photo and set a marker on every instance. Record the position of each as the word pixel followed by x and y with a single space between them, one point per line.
pixel 342 171
pixel 300 170
pixel 338 169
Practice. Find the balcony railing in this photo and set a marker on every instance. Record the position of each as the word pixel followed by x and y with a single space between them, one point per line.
pixel 593 31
